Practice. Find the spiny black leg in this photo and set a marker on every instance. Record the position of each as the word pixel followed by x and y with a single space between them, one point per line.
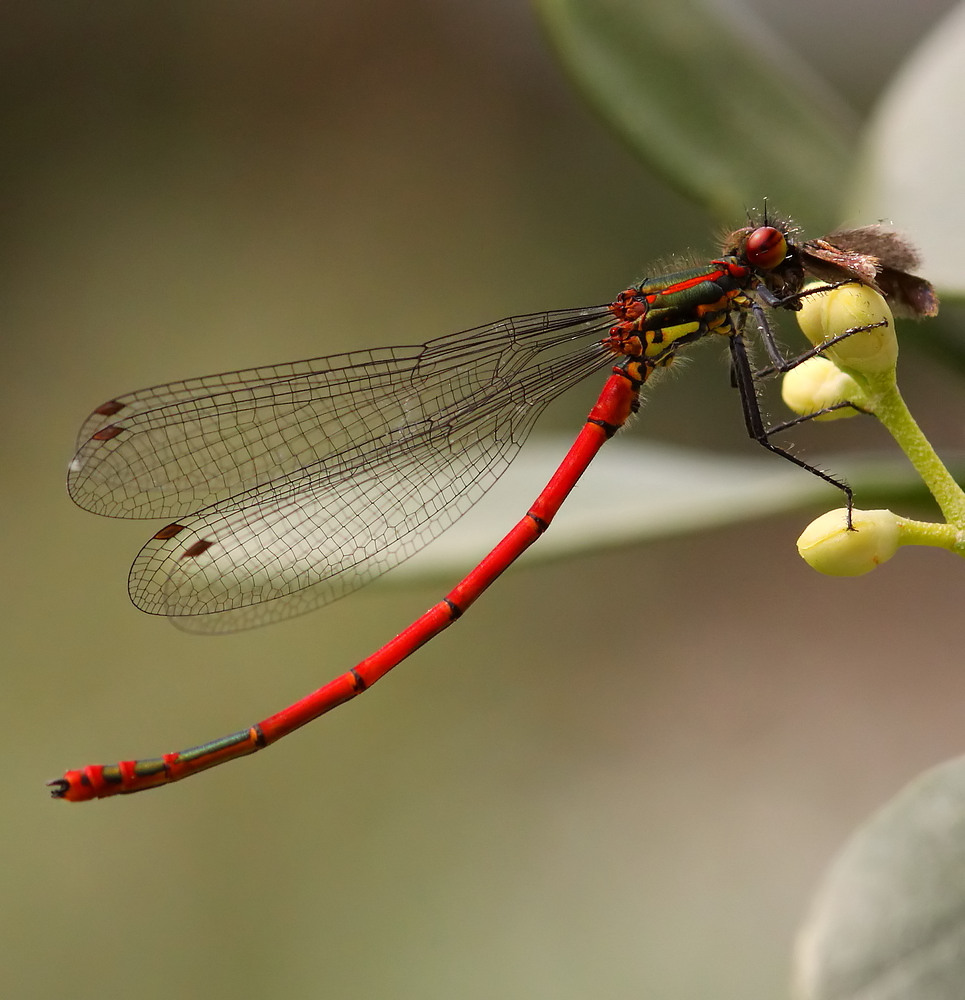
pixel 767 338
pixel 780 363
pixel 805 417
pixel 783 365
pixel 754 422
pixel 792 301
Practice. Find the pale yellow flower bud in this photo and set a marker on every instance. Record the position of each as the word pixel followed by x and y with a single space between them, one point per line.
pixel 828 546
pixel 853 305
pixel 817 384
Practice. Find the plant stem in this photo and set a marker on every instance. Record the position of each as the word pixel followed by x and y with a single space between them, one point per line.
pixel 889 407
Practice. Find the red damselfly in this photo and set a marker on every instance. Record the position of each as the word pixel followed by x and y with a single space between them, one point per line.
pixel 291 485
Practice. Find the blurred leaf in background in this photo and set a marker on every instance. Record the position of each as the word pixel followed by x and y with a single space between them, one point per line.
pixel 888 922
pixel 707 96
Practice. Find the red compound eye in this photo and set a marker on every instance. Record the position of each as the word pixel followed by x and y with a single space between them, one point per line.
pixel 765 248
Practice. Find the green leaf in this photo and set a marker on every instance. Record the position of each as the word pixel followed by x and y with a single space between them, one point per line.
pixel 718 107
pixel 889 921
pixel 911 166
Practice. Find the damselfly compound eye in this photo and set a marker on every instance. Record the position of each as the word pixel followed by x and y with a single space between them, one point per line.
pixel 765 248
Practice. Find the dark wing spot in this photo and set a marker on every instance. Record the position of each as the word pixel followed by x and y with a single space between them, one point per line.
pixel 109 408
pixel 106 433
pixel 168 531
pixel 195 550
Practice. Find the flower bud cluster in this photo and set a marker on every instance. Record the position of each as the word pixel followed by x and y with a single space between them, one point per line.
pixel 858 320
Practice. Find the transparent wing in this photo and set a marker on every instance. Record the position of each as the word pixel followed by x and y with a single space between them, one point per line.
pixel 325 473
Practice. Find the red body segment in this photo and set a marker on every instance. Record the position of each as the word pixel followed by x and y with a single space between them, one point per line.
pixel 616 402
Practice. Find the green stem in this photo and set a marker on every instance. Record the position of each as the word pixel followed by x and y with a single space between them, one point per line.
pixel 888 406
pixel 943 536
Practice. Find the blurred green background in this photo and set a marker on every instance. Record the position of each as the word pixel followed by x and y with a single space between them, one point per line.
pixel 620 775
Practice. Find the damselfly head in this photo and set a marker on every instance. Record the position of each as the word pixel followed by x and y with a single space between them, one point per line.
pixel 769 248
pixel 734 242
pixel 874 255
